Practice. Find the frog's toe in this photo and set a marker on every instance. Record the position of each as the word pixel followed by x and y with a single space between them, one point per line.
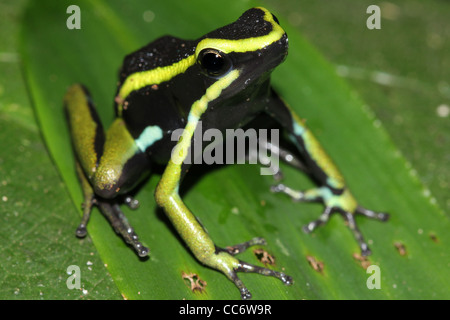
pixel 241 266
pixel 294 194
pixel 382 216
pixel 131 202
pixel 245 294
pixel 287 280
pixel 81 231
pixel 132 239
pixel 247 267
pixel 324 217
pixel 241 247
pixel 121 225
pixel 343 203
pixel 350 218
pixel 141 250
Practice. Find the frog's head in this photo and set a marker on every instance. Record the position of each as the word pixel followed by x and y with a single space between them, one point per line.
pixel 253 46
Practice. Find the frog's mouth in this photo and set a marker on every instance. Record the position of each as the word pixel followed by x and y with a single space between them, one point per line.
pixel 278 52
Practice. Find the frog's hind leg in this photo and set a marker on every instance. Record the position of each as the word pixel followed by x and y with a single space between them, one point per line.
pixel 111 210
pixel 106 163
pixel 332 189
pixel 315 195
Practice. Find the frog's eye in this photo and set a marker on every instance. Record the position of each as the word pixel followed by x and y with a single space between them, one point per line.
pixel 215 63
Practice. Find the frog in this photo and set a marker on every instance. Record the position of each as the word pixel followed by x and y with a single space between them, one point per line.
pixel 221 80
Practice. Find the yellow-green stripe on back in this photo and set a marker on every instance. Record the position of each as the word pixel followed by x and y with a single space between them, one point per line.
pixel 142 79
pixel 179 153
pixel 169 183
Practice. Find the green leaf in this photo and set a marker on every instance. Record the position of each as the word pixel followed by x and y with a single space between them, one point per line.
pixel 234 202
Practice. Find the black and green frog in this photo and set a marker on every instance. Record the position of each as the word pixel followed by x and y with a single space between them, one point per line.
pixel 223 80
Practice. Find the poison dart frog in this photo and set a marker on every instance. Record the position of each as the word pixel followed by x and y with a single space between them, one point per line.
pixel 223 80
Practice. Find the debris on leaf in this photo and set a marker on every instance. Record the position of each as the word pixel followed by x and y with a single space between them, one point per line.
pixel 264 257
pixel 364 261
pixel 434 237
pixel 400 248
pixel 315 264
pixel 194 282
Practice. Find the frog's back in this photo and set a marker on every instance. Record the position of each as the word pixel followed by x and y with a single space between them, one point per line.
pixel 162 52
pixel 154 104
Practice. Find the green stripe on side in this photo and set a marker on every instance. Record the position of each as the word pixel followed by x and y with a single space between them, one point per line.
pixel 317 153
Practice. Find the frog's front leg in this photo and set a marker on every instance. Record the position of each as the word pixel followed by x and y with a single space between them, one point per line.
pixel 193 233
pixel 332 190
pixel 107 164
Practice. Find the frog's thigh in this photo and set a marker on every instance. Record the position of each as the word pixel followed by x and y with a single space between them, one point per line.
pixel 319 164
pixel 121 164
pixel 112 161
pixel 86 130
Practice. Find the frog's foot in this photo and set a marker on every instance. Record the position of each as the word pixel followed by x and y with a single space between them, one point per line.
pixel 117 220
pixel 241 266
pixel 343 203
pixel 350 219
pixel 131 202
